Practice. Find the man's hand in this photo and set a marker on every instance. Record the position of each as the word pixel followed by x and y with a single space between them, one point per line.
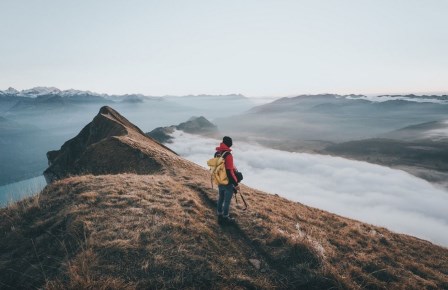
pixel 237 187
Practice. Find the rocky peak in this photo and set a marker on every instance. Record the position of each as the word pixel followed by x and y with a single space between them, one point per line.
pixel 11 91
pixel 109 144
pixel 37 91
pixel 195 125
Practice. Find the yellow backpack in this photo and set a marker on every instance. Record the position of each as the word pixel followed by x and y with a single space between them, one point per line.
pixel 218 170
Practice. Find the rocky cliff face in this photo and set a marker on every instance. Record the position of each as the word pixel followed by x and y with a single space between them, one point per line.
pixel 108 144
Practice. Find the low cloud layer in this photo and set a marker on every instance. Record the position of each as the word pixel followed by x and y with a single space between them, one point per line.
pixel 370 193
pixel 438 134
pixel 416 99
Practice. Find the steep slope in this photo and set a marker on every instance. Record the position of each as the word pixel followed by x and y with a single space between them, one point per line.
pixel 157 229
pixel 109 144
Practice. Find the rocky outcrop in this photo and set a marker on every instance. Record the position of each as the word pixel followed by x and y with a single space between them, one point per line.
pixel 110 144
pixel 162 134
pixel 198 125
pixel 195 125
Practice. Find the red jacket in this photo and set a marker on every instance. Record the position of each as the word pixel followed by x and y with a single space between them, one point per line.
pixel 230 168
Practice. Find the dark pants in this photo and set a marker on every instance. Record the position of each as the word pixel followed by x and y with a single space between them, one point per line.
pixel 225 197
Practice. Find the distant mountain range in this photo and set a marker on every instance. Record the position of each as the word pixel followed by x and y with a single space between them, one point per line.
pixel 44 98
pixel 45 91
pixel 39 95
pixel 77 95
pixel 411 97
pixel 333 118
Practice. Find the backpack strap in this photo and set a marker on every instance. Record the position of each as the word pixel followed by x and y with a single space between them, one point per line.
pixel 224 155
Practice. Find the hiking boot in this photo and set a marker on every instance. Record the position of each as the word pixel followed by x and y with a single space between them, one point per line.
pixel 220 219
pixel 228 219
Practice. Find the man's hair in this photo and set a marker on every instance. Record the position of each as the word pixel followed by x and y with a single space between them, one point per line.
pixel 227 140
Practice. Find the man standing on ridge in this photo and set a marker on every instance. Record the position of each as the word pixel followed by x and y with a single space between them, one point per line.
pixel 226 191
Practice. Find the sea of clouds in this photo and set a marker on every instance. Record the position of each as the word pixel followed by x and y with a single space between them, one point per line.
pixel 370 193
pixel 438 134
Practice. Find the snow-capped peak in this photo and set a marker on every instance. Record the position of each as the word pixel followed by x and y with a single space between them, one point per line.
pixel 10 91
pixel 72 92
pixel 38 91
pixel 438 99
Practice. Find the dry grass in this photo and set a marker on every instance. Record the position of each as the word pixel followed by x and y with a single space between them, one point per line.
pixel 357 255
pixel 158 231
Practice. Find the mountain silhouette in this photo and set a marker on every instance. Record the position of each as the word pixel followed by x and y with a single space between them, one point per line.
pixel 195 125
pixel 109 134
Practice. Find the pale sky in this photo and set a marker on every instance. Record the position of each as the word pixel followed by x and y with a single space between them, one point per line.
pixel 256 48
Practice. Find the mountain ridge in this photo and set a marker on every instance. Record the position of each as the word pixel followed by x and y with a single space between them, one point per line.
pixel 107 129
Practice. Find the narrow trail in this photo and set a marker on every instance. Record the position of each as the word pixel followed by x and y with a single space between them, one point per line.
pixel 236 234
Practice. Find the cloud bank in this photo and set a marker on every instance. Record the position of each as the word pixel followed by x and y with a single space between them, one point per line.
pixel 363 191
pixel 385 98
pixel 438 134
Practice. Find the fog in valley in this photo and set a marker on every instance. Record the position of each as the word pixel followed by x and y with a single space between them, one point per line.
pixel 273 141
pixel 370 193
pixel 408 132
pixel 334 118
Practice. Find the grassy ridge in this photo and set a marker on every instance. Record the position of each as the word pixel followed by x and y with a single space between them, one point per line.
pixel 159 231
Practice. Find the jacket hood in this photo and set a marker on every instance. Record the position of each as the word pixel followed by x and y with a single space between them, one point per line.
pixel 223 147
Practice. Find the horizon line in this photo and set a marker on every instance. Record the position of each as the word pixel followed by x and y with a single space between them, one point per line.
pixel 396 93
